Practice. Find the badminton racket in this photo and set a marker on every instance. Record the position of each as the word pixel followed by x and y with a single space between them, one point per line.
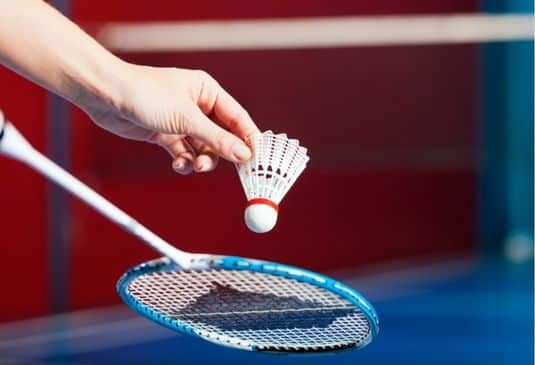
pixel 232 301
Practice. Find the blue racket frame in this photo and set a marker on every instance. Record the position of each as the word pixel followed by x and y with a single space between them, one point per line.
pixel 239 263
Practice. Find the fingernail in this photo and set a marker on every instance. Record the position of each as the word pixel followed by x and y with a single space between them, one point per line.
pixel 178 166
pixel 241 152
pixel 200 167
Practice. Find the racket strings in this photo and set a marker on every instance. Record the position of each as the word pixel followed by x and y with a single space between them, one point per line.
pixel 275 313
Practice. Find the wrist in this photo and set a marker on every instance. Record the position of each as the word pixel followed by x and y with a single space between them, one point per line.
pixel 99 85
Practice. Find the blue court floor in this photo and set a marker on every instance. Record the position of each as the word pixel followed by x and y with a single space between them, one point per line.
pixel 453 312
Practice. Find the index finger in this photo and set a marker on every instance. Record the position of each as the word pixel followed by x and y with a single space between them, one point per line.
pixel 232 116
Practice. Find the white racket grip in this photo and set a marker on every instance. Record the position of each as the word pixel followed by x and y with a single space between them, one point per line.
pixel 14 145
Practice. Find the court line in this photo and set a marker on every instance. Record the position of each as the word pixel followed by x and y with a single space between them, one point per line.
pixel 413 270
pixel 405 277
pixel 77 318
pixel 85 339
pixel 319 32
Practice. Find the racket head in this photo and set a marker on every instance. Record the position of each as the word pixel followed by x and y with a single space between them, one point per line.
pixel 252 305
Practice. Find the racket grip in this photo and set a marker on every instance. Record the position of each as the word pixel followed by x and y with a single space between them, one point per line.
pixel 12 143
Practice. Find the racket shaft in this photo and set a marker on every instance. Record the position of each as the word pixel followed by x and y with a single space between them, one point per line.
pixel 13 144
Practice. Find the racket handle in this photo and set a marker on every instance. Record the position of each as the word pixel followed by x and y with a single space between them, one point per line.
pixel 14 145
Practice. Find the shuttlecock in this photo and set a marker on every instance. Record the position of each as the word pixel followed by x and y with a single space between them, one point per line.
pixel 275 165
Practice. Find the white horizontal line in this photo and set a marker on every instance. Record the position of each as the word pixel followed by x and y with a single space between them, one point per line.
pixel 82 339
pixel 313 32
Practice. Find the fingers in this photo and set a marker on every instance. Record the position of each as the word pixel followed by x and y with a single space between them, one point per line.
pixel 178 147
pixel 232 115
pixel 218 140
pixel 217 124
pixel 188 154
pixel 182 166
pixel 206 159
pixel 227 112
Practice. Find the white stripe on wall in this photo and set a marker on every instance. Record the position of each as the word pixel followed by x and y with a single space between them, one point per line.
pixel 314 32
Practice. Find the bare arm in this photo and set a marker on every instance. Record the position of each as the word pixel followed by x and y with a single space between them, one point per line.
pixel 167 106
pixel 40 44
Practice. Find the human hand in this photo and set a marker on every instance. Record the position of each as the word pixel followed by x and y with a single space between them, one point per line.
pixel 184 111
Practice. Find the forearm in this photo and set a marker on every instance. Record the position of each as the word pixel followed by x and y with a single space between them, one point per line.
pixel 39 43
pixel 169 106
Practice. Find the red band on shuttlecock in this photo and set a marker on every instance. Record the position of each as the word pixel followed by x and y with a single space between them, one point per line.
pixel 263 201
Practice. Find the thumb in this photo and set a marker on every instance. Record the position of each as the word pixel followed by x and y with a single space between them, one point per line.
pixel 220 141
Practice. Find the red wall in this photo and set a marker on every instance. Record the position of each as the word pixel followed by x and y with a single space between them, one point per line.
pixel 124 10
pixel 23 279
pixel 391 133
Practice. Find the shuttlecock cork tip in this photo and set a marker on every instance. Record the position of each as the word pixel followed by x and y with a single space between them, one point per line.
pixel 261 215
